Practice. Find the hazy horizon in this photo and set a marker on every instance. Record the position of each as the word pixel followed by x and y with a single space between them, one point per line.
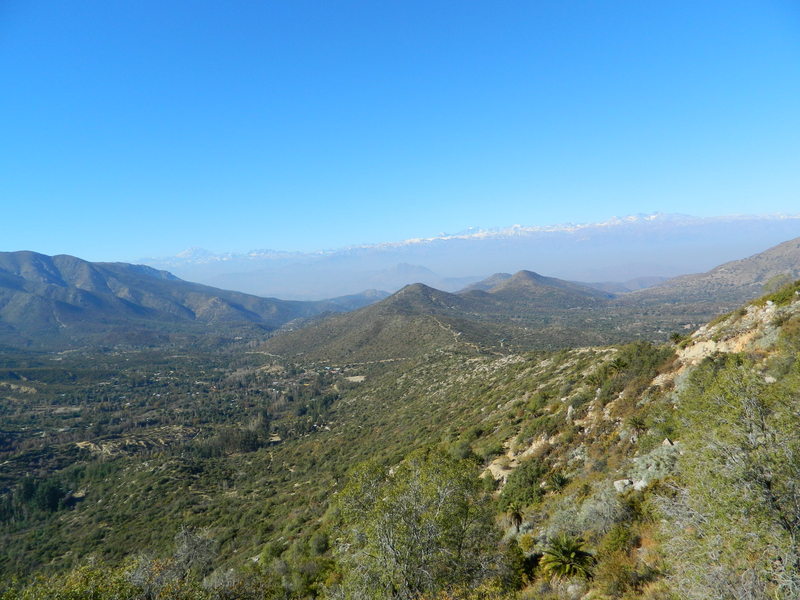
pixel 634 250
pixel 145 129
pixel 613 250
pixel 473 232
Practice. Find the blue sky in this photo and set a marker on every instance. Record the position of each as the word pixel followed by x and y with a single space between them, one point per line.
pixel 134 129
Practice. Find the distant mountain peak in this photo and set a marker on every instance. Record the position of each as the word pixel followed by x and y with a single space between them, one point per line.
pixel 417 289
pixel 194 253
pixel 409 269
pixel 523 278
pixel 617 249
pixel 197 254
pixel 525 275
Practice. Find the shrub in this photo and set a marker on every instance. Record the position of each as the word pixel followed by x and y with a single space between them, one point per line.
pixel 492 450
pixel 565 558
pixel 420 530
pixel 526 543
pixel 523 487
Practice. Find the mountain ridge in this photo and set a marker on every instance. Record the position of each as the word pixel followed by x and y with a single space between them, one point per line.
pixel 59 301
pixel 617 250
pixel 529 311
pixel 735 281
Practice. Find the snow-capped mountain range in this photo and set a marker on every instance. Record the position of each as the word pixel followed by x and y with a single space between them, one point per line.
pixel 620 249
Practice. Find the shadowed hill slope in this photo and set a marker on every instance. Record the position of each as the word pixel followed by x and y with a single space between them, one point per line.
pixel 62 301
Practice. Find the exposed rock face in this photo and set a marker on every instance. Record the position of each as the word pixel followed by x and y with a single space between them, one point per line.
pixel 756 326
pixel 622 485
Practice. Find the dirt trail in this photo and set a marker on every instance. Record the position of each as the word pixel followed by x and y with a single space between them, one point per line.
pixel 456 335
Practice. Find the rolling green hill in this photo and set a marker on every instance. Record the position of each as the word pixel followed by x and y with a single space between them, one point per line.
pixel 525 310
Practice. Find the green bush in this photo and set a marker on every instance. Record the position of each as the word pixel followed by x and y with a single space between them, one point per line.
pixel 782 297
pixel 523 487
pixel 422 529
pixel 565 558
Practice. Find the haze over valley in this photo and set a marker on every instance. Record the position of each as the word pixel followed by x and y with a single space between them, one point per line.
pixel 635 250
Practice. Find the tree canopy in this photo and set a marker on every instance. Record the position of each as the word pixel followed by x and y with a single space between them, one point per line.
pixel 417 529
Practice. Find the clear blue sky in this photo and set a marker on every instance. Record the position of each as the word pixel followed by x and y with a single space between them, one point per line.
pixel 132 129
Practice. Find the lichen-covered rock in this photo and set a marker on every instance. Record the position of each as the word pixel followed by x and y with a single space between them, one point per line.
pixel 622 485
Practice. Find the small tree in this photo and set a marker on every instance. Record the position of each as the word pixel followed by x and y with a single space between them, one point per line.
pixel 524 485
pixel 422 529
pixel 515 516
pixel 732 519
pixel 194 552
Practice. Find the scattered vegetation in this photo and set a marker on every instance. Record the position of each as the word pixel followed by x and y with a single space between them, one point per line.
pixel 620 472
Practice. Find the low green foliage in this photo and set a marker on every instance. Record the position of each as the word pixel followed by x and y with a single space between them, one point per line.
pixel 421 529
pixel 782 297
pixel 565 558
pixel 524 485
pixel 739 474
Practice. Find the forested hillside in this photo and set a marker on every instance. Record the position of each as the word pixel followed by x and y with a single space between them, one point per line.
pixel 606 472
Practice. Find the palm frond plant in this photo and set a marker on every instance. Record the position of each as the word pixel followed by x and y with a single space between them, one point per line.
pixel 565 558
